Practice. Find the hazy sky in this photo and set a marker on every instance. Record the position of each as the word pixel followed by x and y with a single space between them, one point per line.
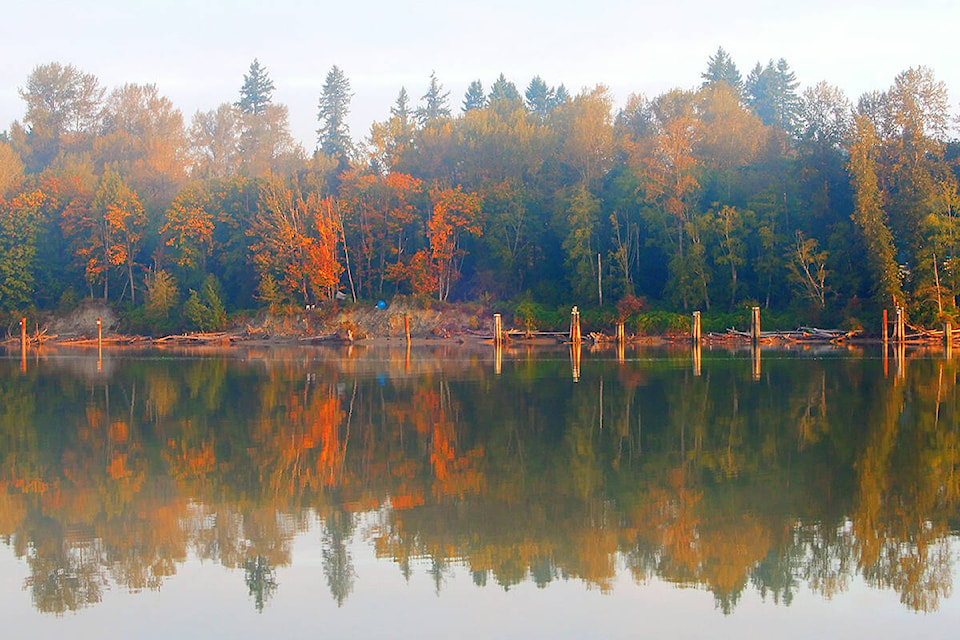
pixel 197 51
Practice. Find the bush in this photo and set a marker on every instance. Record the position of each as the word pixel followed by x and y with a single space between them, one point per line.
pixel 535 316
pixel 661 322
pixel 206 309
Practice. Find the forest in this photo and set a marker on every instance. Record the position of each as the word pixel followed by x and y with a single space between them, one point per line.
pixel 742 191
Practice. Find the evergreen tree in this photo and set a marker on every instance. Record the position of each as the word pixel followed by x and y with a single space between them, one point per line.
pixel 333 136
pixel 503 91
pixel 435 105
pixel 539 98
pixel 257 90
pixel 390 138
pixel 401 108
pixel 560 96
pixel 474 98
pixel 721 68
pixel 870 217
pixel 772 94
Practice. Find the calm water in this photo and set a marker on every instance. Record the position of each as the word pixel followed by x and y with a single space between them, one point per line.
pixel 444 492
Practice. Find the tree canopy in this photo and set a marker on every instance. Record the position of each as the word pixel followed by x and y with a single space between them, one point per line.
pixel 719 197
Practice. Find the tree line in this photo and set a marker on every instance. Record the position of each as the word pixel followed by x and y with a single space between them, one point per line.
pixel 742 191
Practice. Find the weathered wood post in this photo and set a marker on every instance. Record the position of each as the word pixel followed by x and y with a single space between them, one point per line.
pixel 575 326
pixel 755 325
pixel 497 329
pixel 947 337
pixel 695 329
pixel 900 335
pixel 886 324
pixel 23 345
pixel 621 334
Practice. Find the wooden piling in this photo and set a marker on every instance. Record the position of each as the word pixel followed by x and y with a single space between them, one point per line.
pixel 755 325
pixel 23 345
pixel 497 329
pixel 695 334
pixel 575 337
pixel 901 333
pixel 621 334
pixel 948 337
pixel 886 325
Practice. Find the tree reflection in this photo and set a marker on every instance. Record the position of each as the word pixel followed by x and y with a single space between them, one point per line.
pixel 261 580
pixel 708 480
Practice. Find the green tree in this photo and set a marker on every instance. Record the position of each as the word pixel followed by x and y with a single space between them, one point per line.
pixel 333 136
pixel 160 299
pixel 771 93
pixel 721 68
pixel 504 95
pixel 579 246
pixel 870 216
pixel 474 98
pixel 539 97
pixel 205 309
pixel 434 104
pixel 19 231
pixel 257 90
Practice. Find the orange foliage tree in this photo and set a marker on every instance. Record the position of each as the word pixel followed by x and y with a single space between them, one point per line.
pixel 380 215
pixel 455 212
pixel 107 230
pixel 189 227
pixel 295 242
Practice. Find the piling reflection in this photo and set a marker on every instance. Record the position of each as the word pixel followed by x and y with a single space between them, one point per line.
pixel 826 473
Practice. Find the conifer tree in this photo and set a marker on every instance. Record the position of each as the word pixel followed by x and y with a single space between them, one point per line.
pixel 333 136
pixel 721 68
pixel 474 98
pixel 772 94
pixel 435 104
pixel 257 90
pixel 539 97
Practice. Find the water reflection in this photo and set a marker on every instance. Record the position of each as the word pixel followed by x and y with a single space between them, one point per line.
pixel 825 472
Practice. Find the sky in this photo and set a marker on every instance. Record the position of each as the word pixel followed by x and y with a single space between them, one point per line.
pixel 197 51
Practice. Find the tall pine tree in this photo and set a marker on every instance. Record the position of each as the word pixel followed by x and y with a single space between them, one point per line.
pixel 257 90
pixel 333 136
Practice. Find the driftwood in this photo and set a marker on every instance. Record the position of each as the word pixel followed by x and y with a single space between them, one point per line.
pixel 328 337
pixel 802 334
pixel 202 338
